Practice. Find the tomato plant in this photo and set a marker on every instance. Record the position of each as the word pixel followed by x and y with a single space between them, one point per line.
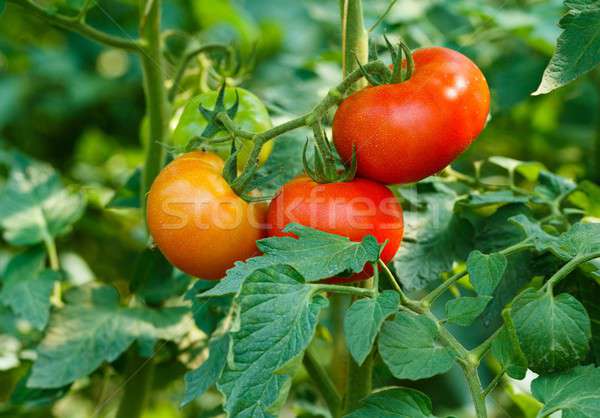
pixel 233 266
pixel 404 132
pixel 196 220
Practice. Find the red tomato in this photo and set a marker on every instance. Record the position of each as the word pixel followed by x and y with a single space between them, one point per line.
pixel 198 222
pixel 353 209
pixel 407 131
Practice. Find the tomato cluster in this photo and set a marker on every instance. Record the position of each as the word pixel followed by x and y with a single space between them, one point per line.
pixel 401 132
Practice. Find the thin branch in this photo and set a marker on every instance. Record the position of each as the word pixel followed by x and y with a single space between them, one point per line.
pixel 76 24
pixel 383 15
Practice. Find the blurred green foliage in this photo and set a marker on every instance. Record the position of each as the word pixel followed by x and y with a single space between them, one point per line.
pixel 77 105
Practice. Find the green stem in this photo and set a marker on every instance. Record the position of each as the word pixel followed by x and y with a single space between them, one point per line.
pixel 474 385
pixel 76 24
pixel 355 38
pixel 596 161
pixel 359 383
pixel 383 15
pixel 56 297
pixel 493 384
pixel 154 89
pixel 319 375
pixel 481 350
pixel 438 291
pixel 339 360
pixel 567 269
pixel 467 362
pixel 139 374
pixel 345 290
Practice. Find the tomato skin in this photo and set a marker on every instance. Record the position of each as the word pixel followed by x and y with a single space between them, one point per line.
pixel 197 221
pixel 352 209
pixel 252 116
pixel 407 131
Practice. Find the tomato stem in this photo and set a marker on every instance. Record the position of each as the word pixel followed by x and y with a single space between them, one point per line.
pixel 319 375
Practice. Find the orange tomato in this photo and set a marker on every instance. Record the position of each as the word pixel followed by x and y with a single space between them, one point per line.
pixel 196 219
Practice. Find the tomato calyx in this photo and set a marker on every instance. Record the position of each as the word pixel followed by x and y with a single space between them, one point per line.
pixel 319 172
pixel 402 67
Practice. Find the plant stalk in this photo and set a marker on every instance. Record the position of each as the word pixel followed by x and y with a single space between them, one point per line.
pixel 155 93
pixel 139 374
pixel 319 375
pixel 355 38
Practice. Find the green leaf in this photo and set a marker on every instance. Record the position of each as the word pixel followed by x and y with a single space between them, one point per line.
pixel 335 255
pixel 588 292
pixel 128 196
pixel 278 317
pixel 580 240
pixel 27 287
pixel 154 278
pixel 486 271
pixel 577 47
pixel 409 347
pixel 395 403
pixel 208 312
pixel 34 206
pixel 552 186
pixel 541 240
pixel 529 169
pixel 201 379
pixel 464 310
pixel 495 232
pixel 501 197
pixel 587 197
pixel 575 392
pixel 506 349
pixel 93 328
pixel 434 239
pixel 364 319
pixel 554 332
pixel 31 397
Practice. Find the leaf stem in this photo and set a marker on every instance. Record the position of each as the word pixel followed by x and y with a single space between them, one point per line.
pixel 565 270
pixel 319 375
pixel 481 350
pixel 345 290
pixel 76 24
pixel 438 291
pixel 383 15
pixel 493 384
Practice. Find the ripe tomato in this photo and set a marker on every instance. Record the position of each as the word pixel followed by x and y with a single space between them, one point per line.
pixel 407 131
pixel 353 209
pixel 251 116
pixel 197 221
